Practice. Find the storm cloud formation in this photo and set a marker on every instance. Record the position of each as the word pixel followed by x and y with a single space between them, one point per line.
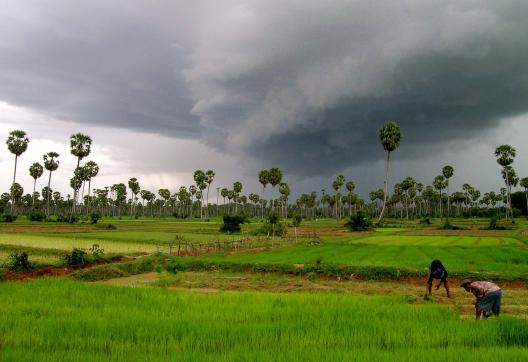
pixel 288 83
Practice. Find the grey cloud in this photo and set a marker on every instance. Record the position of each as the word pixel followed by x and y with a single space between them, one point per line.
pixel 315 81
pixel 299 84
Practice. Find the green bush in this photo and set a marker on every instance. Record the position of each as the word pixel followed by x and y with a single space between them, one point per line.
pixel 232 223
pixel 67 218
pixel 359 222
pixel 96 251
pixel 36 215
pixel 94 217
pixel 76 257
pixel 7 218
pixel 175 267
pixel 18 261
pixel 106 226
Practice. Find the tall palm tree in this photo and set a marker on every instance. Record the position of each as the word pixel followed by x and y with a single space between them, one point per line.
pixel 209 178
pixel 91 170
pixel 350 186
pixel 51 164
pixel 439 183
pixel 448 172
pixel 264 178
pixel 35 171
pixel 505 155
pixel 80 147
pixel 275 177
pixel 336 185
pixel 390 137
pixel 285 191
pixel 192 191
pixel 524 185
pixel 224 192
pixel 17 143
pixel 133 185
pixel 237 189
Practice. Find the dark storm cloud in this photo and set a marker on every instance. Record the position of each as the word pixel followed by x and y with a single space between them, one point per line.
pixel 304 85
pixel 314 82
pixel 110 63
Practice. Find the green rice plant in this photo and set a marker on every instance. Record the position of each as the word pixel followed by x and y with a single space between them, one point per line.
pixel 65 320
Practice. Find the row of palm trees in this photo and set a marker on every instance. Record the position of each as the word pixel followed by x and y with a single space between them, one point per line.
pixel 409 198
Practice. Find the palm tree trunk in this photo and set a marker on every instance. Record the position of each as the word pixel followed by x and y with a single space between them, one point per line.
pixel 49 192
pixel 387 172
pixel 448 203
pixel 75 191
pixel 14 178
pixel 34 188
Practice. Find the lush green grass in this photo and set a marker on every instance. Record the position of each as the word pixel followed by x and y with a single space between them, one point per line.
pixel 62 320
pixel 503 256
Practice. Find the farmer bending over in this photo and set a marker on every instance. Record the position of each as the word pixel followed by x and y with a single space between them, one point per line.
pixel 488 297
pixel 437 271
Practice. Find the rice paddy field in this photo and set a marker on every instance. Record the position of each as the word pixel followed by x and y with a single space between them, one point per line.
pixel 140 309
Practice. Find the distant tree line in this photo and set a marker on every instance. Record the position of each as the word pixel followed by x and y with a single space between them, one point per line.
pixel 408 199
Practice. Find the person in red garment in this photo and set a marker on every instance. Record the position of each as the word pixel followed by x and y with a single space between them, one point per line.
pixel 488 297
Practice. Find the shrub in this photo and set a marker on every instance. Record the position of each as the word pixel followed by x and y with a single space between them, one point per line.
pixel 175 267
pixel 67 218
pixel 36 216
pixel 359 222
pixel 7 218
pixel 94 217
pixel 96 251
pixel 76 257
pixel 18 261
pixel 425 221
pixel 232 223
pixel 296 220
pixel 106 226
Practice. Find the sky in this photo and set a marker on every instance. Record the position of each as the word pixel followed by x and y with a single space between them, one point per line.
pixel 168 87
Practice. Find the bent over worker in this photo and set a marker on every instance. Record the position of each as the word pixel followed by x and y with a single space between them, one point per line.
pixel 488 297
pixel 437 271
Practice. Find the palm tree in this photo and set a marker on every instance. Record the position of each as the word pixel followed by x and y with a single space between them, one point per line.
pixel 350 186
pixel 448 172
pixel 336 185
pixel 133 184
pixel 209 178
pixel 440 183
pixel 524 185
pixel 285 191
pixel 505 155
pixel 80 147
pixel 390 137
pixel 35 171
pixel 16 193
pixel 237 189
pixel 275 177
pixel 224 192
pixel 192 190
pixel 17 143
pixel 51 164
pixel 91 170
pixel 264 178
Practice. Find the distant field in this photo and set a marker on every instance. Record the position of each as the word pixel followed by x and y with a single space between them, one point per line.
pixel 63 320
pixel 504 254
pixel 459 254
